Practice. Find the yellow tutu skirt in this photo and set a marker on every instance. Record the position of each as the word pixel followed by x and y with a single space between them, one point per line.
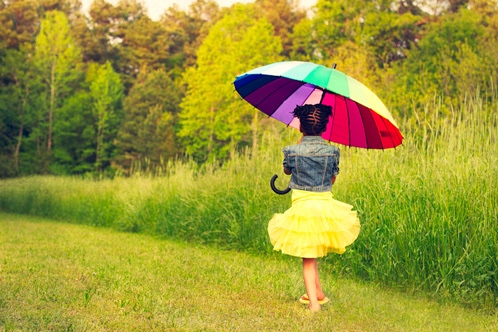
pixel 315 225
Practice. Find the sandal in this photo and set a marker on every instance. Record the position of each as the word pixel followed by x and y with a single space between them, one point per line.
pixel 304 300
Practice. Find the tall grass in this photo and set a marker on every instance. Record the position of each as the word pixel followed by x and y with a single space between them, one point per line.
pixel 429 209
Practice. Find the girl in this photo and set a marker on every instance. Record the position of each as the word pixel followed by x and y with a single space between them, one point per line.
pixel 316 224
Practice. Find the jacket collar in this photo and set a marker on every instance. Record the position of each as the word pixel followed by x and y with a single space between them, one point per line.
pixel 313 139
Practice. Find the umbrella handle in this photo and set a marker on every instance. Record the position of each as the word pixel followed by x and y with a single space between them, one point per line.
pixel 272 184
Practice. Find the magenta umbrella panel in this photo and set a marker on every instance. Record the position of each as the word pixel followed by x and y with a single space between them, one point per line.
pixel 358 118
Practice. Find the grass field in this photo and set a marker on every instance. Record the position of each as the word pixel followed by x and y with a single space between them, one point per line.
pixel 65 277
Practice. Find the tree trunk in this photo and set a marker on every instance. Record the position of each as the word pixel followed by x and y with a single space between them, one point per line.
pixel 38 145
pixel 18 147
pixel 98 147
pixel 24 102
pixel 211 134
pixel 97 158
pixel 52 97
pixel 101 143
pixel 100 139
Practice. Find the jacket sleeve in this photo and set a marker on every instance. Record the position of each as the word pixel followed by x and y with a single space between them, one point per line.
pixel 286 153
pixel 335 168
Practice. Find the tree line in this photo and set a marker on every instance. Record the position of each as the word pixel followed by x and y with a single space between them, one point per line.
pixel 101 92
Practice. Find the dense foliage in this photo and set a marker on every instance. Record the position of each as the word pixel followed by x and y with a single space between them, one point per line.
pixel 101 92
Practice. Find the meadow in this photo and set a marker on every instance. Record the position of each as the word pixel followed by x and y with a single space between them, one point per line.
pixel 67 277
pixel 429 209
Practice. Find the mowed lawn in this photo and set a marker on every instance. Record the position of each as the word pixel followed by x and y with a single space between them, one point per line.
pixel 65 277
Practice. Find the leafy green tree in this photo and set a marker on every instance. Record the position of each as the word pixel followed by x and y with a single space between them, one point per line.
pixel 106 92
pixel 390 35
pixel 69 7
pixel 334 23
pixel 20 19
pixel 75 131
pixel 100 36
pixel 488 11
pixel 94 35
pixel 150 115
pixel 57 59
pixel 144 44
pixel 187 29
pixel 18 23
pixel 213 119
pixel 380 28
pixel 131 10
pixel 284 15
pixel 453 59
pixel 18 96
pixel 357 61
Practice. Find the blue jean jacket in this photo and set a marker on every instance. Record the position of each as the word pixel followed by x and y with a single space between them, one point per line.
pixel 313 163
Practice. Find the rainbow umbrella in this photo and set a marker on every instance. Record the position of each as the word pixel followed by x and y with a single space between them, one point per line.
pixel 358 118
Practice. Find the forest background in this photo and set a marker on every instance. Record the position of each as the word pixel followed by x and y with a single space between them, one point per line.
pixel 100 93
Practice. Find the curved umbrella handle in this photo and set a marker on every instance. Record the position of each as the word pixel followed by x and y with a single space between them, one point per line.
pixel 272 184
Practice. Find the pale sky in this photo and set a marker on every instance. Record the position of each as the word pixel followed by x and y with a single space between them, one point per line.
pixel 157 7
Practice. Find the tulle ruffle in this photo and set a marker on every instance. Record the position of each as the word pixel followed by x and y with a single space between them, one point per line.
pixel 315 225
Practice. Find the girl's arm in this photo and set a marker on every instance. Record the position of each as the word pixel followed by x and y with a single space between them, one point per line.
pixel 333 178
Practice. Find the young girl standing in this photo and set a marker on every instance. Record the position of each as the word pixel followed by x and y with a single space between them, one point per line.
pixel 316 224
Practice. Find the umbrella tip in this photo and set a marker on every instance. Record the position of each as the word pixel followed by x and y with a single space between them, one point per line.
pixel 334 65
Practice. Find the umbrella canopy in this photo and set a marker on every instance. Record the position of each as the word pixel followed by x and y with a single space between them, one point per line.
pixel 358 118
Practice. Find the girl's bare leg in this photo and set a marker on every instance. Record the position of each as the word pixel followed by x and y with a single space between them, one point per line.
pixel 319 293
pixel 309 274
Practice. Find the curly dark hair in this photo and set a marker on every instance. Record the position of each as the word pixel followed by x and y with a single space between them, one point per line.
pixel 313 118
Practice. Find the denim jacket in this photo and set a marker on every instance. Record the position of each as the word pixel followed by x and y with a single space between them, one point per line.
pixel 313 163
